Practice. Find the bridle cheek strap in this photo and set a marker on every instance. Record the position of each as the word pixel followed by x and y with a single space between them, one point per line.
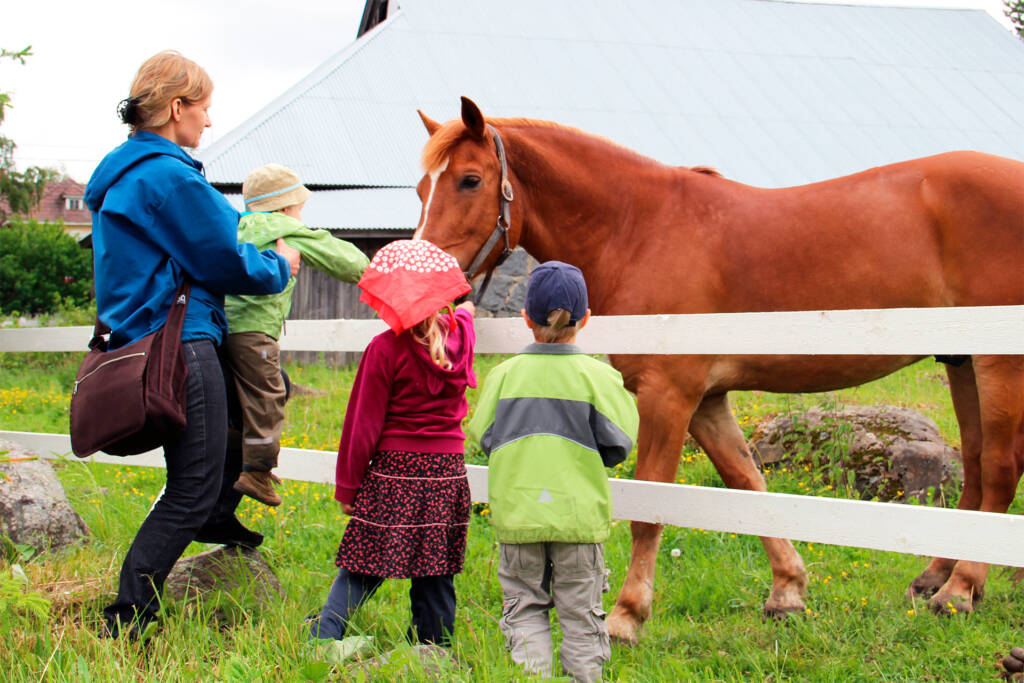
pixel 501 228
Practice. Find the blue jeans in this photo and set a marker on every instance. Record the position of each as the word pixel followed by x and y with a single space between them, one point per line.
pixel 431 598
pixel 200 473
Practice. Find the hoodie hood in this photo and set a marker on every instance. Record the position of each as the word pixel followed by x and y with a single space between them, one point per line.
pixel 263 228
pixel 137 147
pixel 459 347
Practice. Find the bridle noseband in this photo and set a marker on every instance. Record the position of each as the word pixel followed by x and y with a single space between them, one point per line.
pixel 502 226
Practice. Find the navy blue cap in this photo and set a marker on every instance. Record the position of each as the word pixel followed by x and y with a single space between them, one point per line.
pixel 554 285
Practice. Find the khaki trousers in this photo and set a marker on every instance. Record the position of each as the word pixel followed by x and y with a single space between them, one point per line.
pixel 255 360
pixel 570 577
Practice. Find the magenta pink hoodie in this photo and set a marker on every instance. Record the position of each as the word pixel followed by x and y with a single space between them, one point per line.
pixel 401 400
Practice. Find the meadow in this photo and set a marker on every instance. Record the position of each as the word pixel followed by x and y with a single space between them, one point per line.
pixel 706 626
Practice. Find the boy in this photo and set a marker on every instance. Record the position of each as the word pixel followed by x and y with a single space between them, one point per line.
pixel 551 419
pixel 274 198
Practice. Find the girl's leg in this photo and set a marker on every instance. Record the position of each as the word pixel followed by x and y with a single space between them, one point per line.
pixel 348 591
pixel 195 463
pixel 432 599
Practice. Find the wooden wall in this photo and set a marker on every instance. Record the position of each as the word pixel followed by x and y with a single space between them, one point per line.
pixel 320 297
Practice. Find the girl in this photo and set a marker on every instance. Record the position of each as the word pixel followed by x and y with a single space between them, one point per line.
pixel 401 471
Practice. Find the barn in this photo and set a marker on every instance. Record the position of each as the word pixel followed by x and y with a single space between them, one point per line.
pixel 769 92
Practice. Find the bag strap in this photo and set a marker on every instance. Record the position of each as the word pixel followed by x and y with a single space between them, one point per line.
pixel 176 316
pixel 98 330
pixel 175 320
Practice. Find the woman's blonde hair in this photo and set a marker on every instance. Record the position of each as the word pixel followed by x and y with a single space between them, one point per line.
pixel 432 334
pixel 558 328
pixel 161 79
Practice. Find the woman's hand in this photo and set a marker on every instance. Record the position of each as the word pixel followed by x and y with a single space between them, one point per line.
pixel 348 508
pixel 293 256
pixel 469 306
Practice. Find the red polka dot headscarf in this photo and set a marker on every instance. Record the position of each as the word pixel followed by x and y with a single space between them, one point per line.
pixel 408 280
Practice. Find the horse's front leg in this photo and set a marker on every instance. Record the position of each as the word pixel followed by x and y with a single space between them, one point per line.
pixel 715 429
pixel 664 415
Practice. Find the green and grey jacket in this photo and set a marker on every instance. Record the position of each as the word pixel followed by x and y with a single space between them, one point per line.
pixel 319 248
pixel 551 419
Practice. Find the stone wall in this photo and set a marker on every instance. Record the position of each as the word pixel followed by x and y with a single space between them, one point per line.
pixel 506 293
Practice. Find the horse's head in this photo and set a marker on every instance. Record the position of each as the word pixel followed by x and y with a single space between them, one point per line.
pixel 466 192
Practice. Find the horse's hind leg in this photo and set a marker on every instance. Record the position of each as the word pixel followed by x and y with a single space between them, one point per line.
pixel 664 416
pixel 964 391
pixel 715 429
pixel 1000 381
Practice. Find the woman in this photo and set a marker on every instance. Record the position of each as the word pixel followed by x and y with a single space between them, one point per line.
pixel 155 221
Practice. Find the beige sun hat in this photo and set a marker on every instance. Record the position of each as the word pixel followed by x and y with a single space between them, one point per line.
pixel 273 187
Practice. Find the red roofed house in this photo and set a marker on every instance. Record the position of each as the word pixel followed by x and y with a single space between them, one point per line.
pixel 64 199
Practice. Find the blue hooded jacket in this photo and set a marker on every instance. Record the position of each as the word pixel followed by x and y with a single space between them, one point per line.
pixel 156 218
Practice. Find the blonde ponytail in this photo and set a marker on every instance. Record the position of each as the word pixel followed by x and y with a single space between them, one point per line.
pixel 432 335
pixel 558 328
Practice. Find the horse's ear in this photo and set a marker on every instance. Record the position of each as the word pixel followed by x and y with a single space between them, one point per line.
pixel 472 117
pixel 430 124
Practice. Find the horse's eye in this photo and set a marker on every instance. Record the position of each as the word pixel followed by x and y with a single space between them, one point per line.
pixel 469 182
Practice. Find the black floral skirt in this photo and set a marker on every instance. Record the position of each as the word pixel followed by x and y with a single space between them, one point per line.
pixel 411 517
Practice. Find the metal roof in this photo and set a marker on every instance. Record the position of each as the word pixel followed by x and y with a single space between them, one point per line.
pixel 770 93
pixel 371 209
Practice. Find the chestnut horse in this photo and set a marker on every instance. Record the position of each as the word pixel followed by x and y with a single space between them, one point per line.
pixel 946 230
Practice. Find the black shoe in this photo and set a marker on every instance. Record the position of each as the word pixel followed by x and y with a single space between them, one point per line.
pixel 228 532
pixel 132 631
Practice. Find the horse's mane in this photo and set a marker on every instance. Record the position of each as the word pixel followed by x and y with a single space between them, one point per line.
pixel 450 133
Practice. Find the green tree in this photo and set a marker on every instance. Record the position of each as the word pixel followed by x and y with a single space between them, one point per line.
pixel 21 190
pixel 42 268
pixel 1015 11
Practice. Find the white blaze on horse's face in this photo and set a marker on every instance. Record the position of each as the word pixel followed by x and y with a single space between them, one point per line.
pixel 433 175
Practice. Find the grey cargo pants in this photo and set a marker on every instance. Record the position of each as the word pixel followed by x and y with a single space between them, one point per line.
pixel 570 577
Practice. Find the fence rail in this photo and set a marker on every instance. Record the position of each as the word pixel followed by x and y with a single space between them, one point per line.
pixel 980 536
pixel 900 331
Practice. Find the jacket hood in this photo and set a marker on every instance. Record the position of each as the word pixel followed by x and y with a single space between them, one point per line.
pixel 263 228
pixel 461 374
pixel 139 146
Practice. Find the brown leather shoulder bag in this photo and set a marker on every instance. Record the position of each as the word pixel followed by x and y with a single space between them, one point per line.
pixel 132 399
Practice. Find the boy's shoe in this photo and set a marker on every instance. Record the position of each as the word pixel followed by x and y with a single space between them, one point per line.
pixel 229 532
pixel 259 486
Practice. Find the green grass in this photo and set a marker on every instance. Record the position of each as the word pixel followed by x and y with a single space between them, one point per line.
pixel 706 623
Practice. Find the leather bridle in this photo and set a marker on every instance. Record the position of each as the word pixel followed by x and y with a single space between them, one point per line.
pixel 501 229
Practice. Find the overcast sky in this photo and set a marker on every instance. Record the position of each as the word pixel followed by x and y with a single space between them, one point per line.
pixel 85 55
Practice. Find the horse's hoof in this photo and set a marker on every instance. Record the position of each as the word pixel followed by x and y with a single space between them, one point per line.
pixel 947 606
pixel 623 630
pixel 774 615
pixel 922 587
pixel 778 605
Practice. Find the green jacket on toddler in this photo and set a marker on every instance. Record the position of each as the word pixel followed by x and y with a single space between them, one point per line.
pixel 320 250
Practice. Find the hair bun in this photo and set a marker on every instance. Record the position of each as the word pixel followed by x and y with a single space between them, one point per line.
pixel 128 110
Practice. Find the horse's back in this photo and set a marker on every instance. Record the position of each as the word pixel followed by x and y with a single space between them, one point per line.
pixel 945 230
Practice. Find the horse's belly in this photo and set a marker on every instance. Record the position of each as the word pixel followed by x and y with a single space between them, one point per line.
pixel 797 374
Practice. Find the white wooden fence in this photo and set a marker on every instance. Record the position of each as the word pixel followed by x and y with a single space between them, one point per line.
pixel 986 537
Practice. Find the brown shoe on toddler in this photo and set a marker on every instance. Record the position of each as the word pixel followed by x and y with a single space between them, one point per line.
pixel 258 486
